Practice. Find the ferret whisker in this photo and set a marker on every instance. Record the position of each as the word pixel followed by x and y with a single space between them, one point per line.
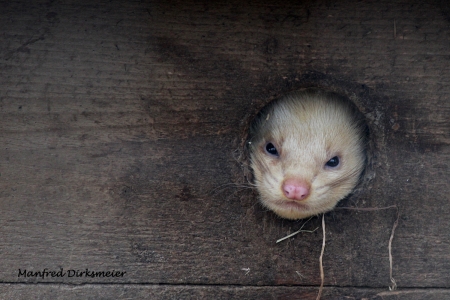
pixel 352 173
pixel 225 186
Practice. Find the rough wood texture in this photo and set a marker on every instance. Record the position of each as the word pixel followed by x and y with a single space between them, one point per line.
pixel 108 291
pixel 121 122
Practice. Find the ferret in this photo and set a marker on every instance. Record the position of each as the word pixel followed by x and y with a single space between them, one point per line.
pixel 307 152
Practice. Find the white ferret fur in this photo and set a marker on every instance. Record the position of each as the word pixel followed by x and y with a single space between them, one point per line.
pixel 307 152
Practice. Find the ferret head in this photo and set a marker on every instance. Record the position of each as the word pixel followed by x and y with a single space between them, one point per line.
pixel 307 152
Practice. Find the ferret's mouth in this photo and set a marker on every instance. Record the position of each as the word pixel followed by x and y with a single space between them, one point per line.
pixel 291 205
pixel 289 209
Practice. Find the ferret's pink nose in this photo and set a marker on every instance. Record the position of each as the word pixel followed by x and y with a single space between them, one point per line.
pixel 296 189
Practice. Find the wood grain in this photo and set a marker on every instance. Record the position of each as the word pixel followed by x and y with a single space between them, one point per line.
pixel 121 123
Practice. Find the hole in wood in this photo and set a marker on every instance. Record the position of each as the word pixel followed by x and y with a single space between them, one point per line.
pixel 308 151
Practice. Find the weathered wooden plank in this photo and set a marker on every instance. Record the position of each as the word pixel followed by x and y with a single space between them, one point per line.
pixel 119 122
pixel 108 291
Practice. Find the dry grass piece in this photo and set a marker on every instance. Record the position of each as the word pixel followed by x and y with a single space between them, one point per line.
pixel 392 287
pixel 297 232
pixel 322 276
pixel 394 284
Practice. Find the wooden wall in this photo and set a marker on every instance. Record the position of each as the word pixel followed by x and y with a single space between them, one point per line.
pixel 121 126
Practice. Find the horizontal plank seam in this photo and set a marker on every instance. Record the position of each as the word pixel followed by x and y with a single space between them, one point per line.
pixel 402 289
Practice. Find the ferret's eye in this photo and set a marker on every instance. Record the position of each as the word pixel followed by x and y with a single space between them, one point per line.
pixel 270 148
pixel 334 162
